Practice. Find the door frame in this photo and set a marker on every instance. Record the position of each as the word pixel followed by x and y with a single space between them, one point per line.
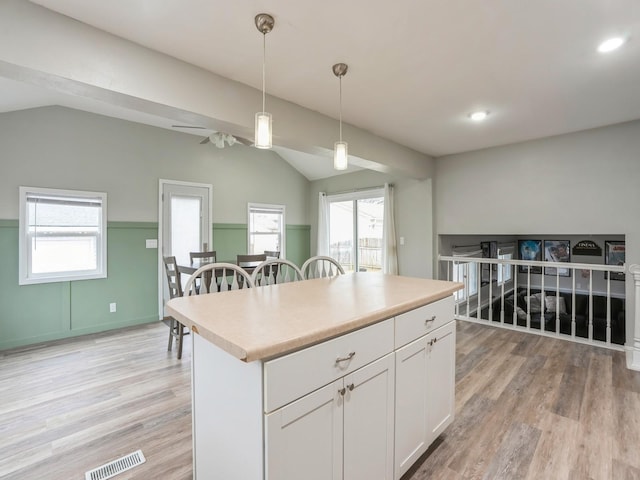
pixel 161 185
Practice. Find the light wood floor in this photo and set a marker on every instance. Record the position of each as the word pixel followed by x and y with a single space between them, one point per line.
pixel 528 407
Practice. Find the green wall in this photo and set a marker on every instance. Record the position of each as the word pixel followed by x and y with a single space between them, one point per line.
pixel 49 311
pixel 230 239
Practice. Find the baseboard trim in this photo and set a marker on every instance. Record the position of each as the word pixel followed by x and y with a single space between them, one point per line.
pixel 63 334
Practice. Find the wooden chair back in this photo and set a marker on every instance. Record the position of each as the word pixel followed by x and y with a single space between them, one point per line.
pixel 218 277
pixel 272 254
pixel 173 277
pixel 250 260
pixel 276 271
pixel 208 256
pixel 320 267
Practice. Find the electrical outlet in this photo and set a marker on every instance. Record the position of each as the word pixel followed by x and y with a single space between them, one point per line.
pixel 401 240
pixel 112 307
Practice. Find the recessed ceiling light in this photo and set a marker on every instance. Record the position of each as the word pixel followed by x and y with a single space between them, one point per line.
pixel 611 44
pixel 479 115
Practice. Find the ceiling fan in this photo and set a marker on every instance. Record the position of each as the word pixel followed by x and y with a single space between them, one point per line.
pixel 218 138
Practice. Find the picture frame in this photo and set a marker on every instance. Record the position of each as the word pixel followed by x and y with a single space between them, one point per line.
pixel 614 254
pixel 557 251
pixel 489 250
pixel 530 250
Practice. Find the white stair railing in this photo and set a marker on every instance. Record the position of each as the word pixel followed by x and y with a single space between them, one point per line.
pixel 476 299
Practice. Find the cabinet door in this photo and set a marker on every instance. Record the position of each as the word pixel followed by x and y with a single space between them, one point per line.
pixel 304 438
pixel 368 421
pixel 441 373
pixel 412 428
pixel 425 401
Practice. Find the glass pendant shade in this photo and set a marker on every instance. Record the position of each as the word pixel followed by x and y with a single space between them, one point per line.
pixel 340 156
pixel 263 130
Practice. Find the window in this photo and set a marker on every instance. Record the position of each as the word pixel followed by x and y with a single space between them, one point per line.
pixel 266 228
pixel 355 229
pixel 467 273
pixel 504 271
pixel 63 235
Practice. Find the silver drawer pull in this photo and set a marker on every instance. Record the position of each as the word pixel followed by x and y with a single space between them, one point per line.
pixel 429 320
pixel 345 359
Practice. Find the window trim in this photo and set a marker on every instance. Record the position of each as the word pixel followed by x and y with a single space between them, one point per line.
pixel 509 268
pixel 275 208
pixel 24 259
pixel 468 265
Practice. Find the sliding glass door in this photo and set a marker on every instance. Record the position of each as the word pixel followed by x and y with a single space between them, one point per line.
pixel 355 230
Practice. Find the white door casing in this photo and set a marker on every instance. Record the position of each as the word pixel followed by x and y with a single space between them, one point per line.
pixel 193 196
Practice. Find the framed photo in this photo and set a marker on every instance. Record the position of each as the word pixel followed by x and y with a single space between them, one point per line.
pixel 530 250
pixel 489 250
pixel 614 254
pixel 557 251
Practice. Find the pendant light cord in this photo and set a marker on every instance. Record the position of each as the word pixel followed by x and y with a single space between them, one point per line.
pixel 264 55
pixel 341 108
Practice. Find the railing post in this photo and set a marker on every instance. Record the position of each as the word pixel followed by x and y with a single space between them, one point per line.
pixel 633 347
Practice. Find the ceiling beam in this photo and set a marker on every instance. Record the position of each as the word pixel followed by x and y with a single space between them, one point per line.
pixel 42 47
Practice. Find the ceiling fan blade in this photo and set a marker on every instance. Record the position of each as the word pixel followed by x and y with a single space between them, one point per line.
pixel 206 140
pixel 188 126
pixel 244 141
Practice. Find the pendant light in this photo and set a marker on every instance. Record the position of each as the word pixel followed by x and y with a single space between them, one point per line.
pixel 340 152
pixel 264 24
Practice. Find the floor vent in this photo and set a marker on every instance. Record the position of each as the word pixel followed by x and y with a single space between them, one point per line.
pixel 120 465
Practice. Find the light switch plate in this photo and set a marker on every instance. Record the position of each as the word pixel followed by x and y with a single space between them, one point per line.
pixel 152 243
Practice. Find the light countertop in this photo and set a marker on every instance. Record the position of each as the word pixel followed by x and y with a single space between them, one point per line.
pixel 264 322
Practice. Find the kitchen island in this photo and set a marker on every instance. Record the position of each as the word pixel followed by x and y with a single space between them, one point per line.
pixel 348 377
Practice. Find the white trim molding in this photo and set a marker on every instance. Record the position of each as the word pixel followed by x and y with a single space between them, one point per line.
pixel 633 347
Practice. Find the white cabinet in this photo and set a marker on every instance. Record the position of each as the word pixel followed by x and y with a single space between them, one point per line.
pixel 425 382
pixel 369 422
pixel 344 428
pixel 304 438
pixel 359 406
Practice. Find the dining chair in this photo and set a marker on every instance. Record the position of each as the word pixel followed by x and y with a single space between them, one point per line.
pixel 174 280
pixel 321 266
pixel 272 254
pixel 250 260
pixel 203 256
pixel 218 277
pixel 276 271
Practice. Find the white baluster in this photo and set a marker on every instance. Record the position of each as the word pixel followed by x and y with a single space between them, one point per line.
pixel 609 308
pixel 501 266
pixel 591 308
pixel 573 305
pixel 479 290
pixel 542 318
pixel 557 301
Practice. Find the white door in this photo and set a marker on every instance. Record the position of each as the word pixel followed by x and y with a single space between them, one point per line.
pixel 304 438
pixel 185 224
pixel 369 420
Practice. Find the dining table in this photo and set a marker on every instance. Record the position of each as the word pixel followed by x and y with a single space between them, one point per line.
pixel 190 269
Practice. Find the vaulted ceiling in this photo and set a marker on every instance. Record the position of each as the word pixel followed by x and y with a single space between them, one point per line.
pixel 416 68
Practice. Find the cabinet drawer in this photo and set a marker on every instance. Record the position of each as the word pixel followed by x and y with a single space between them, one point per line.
pixel 292 376
pixel 422 320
